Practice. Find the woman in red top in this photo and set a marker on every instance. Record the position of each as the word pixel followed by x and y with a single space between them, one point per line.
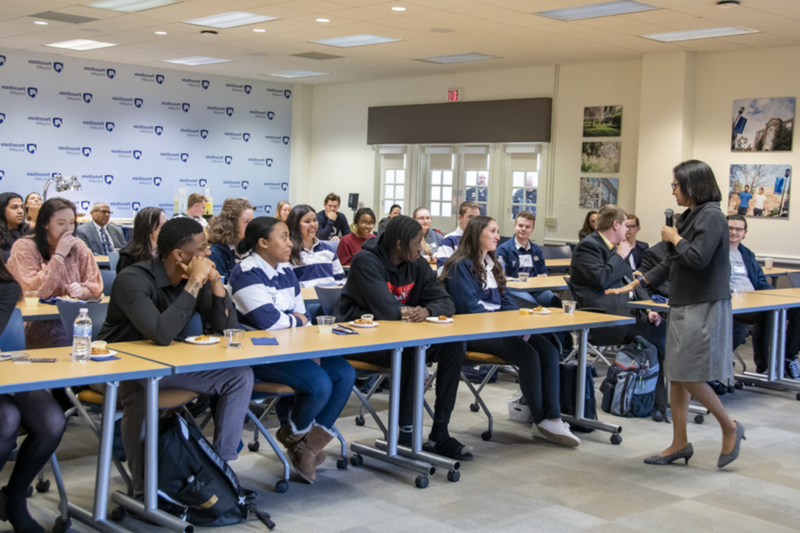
pixel 350 245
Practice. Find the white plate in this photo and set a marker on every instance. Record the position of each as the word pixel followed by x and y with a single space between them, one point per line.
pixel 435 320
pixel 110 352
pixel 211 340
pixel 544 311
pixel 374 324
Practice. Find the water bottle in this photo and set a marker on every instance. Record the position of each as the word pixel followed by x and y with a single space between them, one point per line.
pixel 82 338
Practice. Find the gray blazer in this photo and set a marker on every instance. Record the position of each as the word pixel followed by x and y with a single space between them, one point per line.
pixel 89 235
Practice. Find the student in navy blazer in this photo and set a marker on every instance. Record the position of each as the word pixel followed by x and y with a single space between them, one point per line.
pixel 225 231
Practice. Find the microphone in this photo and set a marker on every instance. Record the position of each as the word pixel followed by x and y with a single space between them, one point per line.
pixel 669 215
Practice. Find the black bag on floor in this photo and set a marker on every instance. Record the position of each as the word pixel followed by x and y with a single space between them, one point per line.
pixel 477 373
pixel 568 374
pixel 629 389
pixel 196 483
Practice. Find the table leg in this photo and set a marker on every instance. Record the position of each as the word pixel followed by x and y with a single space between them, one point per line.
pixel 98 519
pixel 774 379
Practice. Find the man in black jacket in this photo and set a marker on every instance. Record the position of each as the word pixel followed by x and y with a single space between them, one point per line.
pixel 600 262
pixel 650 258
pixel 389 273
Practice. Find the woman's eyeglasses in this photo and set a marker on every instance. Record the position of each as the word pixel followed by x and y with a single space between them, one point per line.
pixel 674 185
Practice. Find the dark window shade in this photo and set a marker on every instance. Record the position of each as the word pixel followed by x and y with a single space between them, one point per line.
pixel 524 120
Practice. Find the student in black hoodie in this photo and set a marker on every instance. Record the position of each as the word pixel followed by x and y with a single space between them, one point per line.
pixel 389 273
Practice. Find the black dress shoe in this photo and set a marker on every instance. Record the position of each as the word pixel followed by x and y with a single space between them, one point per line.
pixel 684 453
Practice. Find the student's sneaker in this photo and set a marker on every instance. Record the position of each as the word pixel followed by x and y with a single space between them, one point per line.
pixel 557 432
pixel 793 369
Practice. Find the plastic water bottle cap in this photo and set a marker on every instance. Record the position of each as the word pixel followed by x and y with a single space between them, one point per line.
pixel 84 310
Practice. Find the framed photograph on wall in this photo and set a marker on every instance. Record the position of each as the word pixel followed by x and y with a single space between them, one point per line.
pixel 597 192
pixel 602 121
pixel 763 125
pixel 760 190
pixel 600 156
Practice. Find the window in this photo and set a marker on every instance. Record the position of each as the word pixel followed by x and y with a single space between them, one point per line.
pixel 524 183
pixel 441 193
pixel 394 189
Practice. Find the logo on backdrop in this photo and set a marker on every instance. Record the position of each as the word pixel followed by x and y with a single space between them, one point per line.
pixel 87 97
pixel 184 157
pixel 110 72
pixel 137 154
pixel 246 137
pixel 268 209
pixel 85 204
pixel 86 151
pixel 228 160
pixel 136 206
pixel 284 186
pixel 32 92
pixel 248 89
pixel 270 115
pixel 2 60
pixel 109 179
pixel 159 130
pixel 185 107
pixel 31 148
pixel 203 182
pixel 2 117
pixel 2 174
pixel 229 111
pixel 285 139
pixel 57 122
pixel 159 78
pixel 204 134
pixel 109 126
pixel 245 184
pixel 206 84
pixel 58 66
pixel 287 93
pixel 138 102
pixel 157 181
pixel 269 161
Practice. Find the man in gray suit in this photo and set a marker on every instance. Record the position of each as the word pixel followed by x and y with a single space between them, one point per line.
pixel 101 237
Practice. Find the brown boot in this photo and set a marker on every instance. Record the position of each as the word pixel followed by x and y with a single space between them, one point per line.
pixel 307 449
pixel 291 441
pixel 282 435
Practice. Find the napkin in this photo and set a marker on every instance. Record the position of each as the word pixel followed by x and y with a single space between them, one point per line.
pixel 103 358
pixel 265 341
pixel 339 332
pixel 657 298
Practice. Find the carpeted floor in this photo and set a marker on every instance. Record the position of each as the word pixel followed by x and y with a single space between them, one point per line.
pixel 518 484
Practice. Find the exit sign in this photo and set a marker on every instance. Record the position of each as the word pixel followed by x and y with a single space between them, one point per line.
pixel 454 95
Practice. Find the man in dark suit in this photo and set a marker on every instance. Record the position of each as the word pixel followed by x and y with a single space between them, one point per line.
pixel 633 228
pixel 650 259
pixel 100 236
pixel 600 262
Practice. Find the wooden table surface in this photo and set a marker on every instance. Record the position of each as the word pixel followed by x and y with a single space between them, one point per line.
pixel 552 283
pixel 43 311
pixel 303 343
pixel 101 259
pixel 558 262
pixel 778 271
pixel 749 302
pixel 787 293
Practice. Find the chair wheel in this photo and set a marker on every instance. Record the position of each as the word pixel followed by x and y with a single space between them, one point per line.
pixel 453 475
pixel 359 420
pixel 62 525
pixel 281 486
pixel 616 439
pixel 797 396
pixel 730 390
pixel 118 514
pixel 739 385
pixel 43 485
pixel 357 460
pixel 421 481
pixel 341 464
pixel 253 445
pixel 474 407
pixel 699 419
pixel 30 491
pixel 486 435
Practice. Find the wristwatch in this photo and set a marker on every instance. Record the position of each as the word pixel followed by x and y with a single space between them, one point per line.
pixel 641 280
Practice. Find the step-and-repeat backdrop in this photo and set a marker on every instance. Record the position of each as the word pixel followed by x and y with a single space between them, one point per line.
pixel 134 136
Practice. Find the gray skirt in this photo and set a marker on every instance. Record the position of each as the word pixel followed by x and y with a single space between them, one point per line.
pixel 700 342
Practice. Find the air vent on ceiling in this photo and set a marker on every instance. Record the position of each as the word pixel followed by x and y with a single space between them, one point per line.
pixel 62 17
pixel 317 55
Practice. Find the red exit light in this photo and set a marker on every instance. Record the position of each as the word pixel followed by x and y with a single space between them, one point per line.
pixel 454 95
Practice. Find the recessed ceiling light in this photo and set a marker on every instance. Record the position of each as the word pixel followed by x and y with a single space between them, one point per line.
pixel 297 74
pixel 605 9
pixel 230 20
pixel 442 30
pixel 160 32
pixel 323 20
pixel 458 58
pixel 81 45
pixel 129 6
pixel 356 40
pixel 259 30
pixel 707 33
pixel 40 22
pixel 196 61
pixel 398 9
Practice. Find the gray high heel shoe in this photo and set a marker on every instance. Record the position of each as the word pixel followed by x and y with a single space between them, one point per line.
pixel 684 453
pixel 727 458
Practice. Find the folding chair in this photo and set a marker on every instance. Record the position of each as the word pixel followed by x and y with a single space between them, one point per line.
pixel 557 252
pixel 590 348
pixel 482 359
pixel 108 280
pixel 113 259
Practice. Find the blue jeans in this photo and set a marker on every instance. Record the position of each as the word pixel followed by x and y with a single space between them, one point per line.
pixel 322 390
pixel 543 298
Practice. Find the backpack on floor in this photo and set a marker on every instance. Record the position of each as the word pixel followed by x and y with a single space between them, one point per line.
pixel 568 388
pixel 629 389
pixel 197 485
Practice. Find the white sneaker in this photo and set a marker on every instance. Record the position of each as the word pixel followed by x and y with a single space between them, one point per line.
pixel 793 369
pixel 557 432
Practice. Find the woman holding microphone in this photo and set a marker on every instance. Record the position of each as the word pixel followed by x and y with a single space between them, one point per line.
pixel 699 328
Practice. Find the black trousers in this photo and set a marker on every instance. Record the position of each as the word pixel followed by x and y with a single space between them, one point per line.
pixel 761 332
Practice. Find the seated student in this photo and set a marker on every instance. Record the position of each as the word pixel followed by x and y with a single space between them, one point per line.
pixel 747 275
pixel 330 222
pixel 599 262
pixel 637 247
pixel 100 235
pixel 449 243
pixel 388 274
pixel 53 262
pixel 589 225
pixel 146 227
pixel 36 411
pixel 431 238
pixel 225 231
pixel 651 258
pixel 195 207
pixel 475 281
pixel 351 244
pixel 314 261
pixel 267 297
pixel 394 211
pixel 282 210
pixel 155 300
pixel 12 222
pixel 519 254
pixel 32 204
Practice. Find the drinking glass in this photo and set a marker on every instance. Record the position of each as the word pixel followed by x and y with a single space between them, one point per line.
pixel 234 337
pixel 325 323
